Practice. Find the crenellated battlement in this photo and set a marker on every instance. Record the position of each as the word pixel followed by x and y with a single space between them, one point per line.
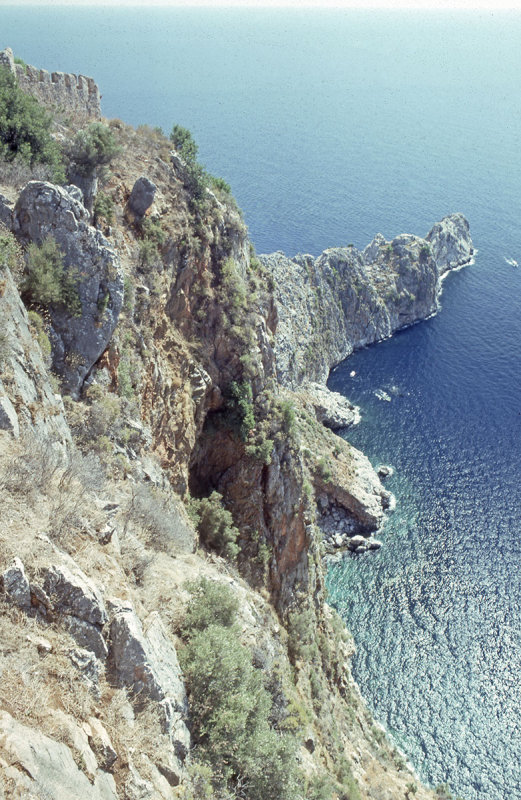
pixel 75 94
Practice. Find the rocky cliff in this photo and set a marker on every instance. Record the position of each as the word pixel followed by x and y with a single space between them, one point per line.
pixel 346 299
pixel 164 630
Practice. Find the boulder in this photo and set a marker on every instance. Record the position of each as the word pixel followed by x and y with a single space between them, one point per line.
pixel 142 196
pixel 8 416
pixel 78 340
pixel 16 586
pixel 6 211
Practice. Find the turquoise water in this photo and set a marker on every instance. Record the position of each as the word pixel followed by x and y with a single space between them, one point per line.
pixel 331 126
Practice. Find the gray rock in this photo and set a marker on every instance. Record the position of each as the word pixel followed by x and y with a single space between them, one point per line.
pixel 142 196
pixel 75 192
pixel 38 766
pixel 16 585
pixel 136 787
pixel 86 635
pixel 7 60
pixel 345 299
pixel 146 662
pixel 24 379
pixel 384 471
pixel 374 544
pixel 73 593
pixel 6 212
pixel 357 541
pixel 450 243
pixel 87 186
pixel 8 416
pixel 100 744
pixel 331 408
pixel 45 210
pixel 88 666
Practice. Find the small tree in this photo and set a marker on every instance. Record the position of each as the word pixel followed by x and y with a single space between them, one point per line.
pixel 184 143
pixel 46 282
pixel 91 148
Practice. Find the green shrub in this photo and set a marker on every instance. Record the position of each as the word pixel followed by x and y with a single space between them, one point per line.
pixel 184 143
pixel 91 148
pixel 103 208
pixel 25 129
pixel 212 603
pixel 215 525
pixel 425 252
pixel 324 469
pixel 289 419
pixel 242 405
pixel 230 710
pixel 46 282
pixel 220 184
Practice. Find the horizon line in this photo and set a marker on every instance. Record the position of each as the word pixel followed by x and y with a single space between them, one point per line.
pixel 338 5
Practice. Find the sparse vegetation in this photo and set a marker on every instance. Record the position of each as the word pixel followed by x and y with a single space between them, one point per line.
pixel 103 208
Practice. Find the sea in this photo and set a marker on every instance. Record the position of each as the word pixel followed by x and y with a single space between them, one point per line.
pixel 332 126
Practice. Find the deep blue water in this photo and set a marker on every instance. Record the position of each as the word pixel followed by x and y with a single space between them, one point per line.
pixel 332 126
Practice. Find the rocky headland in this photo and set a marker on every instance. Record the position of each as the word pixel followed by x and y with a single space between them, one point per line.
pixel 166 466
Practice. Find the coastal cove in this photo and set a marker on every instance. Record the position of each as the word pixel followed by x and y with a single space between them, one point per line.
pixel 367 134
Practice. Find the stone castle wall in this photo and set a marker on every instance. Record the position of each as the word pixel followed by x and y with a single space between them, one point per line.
pixel 74 94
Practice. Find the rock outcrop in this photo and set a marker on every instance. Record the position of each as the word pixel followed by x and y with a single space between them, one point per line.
pixel 146 663
pixel 27 398
pixel 346 299
pixel 78 340
pixel 35 765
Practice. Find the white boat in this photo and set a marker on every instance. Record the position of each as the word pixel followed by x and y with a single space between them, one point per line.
pixel 511 261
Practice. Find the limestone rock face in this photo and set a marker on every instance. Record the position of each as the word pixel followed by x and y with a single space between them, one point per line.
pixel 40 767
pixel 74 594
pixel 450 242
pixel 27 399
pixel 331 408
pixel 345 299
pixel 146 662
pixel 78 341
pixel 142 196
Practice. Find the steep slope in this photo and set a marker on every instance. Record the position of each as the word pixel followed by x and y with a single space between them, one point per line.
pixel 165 390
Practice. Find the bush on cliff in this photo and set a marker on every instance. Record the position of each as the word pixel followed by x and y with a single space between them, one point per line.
pixel 215 525
pixel 91 148
pixel 46 282
pixel 230 707
pixel 25 129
